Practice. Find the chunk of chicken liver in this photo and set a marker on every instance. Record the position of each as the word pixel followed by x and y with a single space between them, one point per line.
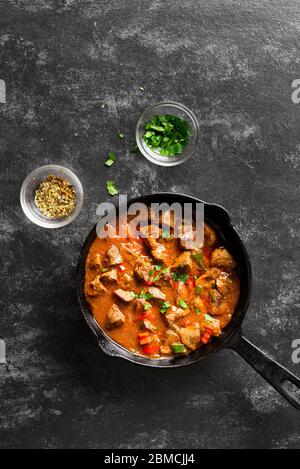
pixel 173 314
pixel 209 278
pixel 223 259
pixel 140 305
pixel 142 268
pixel 165 350
pixel 190 336
pixel 223 283
pixel 182 292
pixel 126 281
pixel 115 317
pixel 156 293
pixel 152 233
pixel 114 256
pixel 171 337
pixel 110 276
pixel 184 261
pixel 97 287
pixel 95 262
pixel 210 236
pixel 159 252
pixel 188 238
pixel 124 295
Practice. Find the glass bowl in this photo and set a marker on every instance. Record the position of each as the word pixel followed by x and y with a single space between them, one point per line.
pixel 176 109
pixel 31 184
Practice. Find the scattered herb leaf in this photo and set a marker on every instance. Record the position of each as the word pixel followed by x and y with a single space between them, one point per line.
pixel 161 273
pixel 111 158
pixel 180 276
pixel 144 296
pixel 111 188
pixel 198 258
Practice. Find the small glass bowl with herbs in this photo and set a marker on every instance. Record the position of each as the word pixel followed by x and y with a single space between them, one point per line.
pixel 51 196
pixel 167 133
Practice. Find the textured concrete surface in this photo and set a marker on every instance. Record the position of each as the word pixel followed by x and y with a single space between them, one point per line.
pixel 233 63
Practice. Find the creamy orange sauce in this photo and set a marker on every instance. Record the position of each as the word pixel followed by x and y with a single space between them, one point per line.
pixel 128 334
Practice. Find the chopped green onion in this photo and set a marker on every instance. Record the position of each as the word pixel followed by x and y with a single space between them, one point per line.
pixel 111 188
pixel 121 135
pixel 178 348
pixel 157 267
pixel 147 306
pixel 183 304
pixel 151 272
pixel 148 325
pixel 199 289
pixel 198 311
pixel 164 307
pixel 207 317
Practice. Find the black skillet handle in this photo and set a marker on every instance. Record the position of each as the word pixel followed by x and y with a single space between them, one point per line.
pixel 278 376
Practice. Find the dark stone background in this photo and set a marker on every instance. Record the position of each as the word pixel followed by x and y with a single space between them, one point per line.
pixel 232 62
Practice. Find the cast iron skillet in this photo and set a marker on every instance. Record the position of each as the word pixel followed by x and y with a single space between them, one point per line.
pixel 280 378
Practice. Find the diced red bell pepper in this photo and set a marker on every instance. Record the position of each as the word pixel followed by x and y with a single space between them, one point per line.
pixel 207 335
pixel 207 301
pixel 190 283
pixel 144 315
pixel 186 322
pixel 143 334
pixel 150 349
pixel 121 268
pixel 207 253
pixel 145 340
pixel 149 283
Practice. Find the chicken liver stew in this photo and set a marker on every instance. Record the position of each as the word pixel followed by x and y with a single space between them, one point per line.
pixel 157 298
